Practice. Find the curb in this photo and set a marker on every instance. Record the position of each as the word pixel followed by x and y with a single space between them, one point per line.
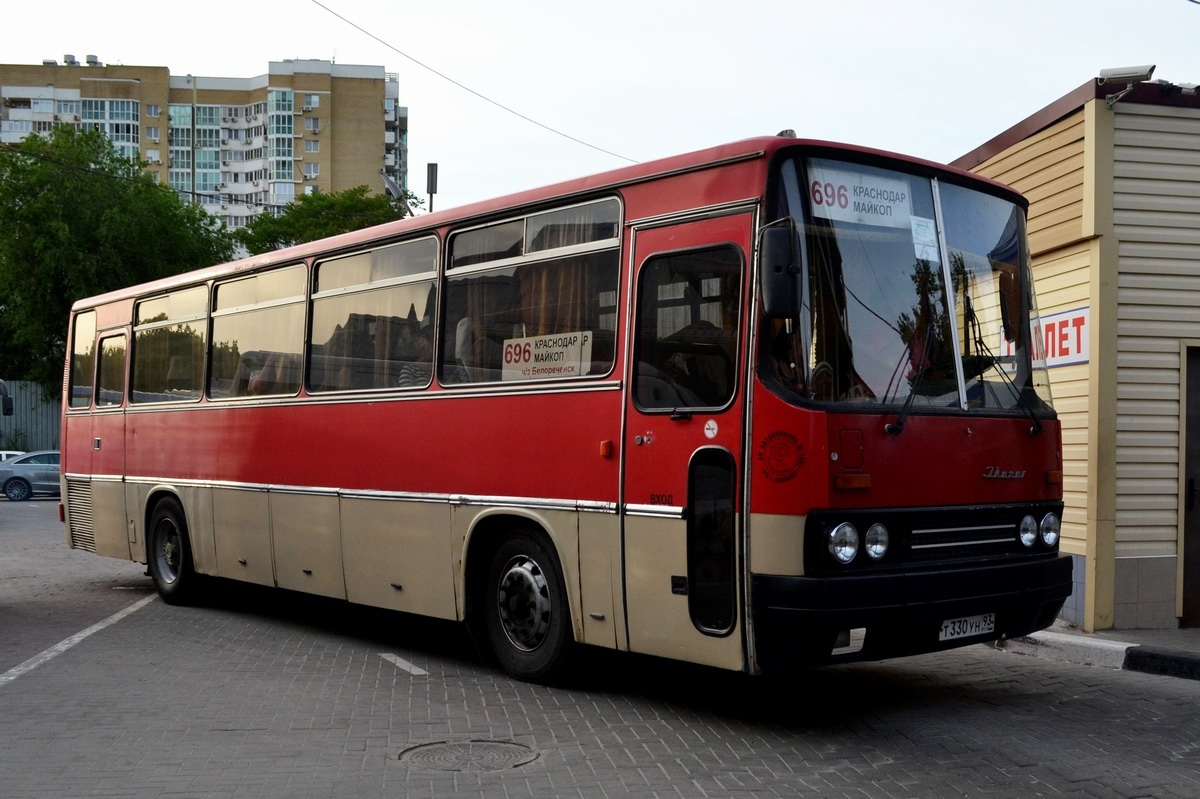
pixel 1105 654
pixel 1069 648
pixel 1167 662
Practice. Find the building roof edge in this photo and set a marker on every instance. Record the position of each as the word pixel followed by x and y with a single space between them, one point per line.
pixel 1064 106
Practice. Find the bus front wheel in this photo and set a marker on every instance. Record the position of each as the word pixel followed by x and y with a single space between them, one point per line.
pixel 170 554
pixel 528 620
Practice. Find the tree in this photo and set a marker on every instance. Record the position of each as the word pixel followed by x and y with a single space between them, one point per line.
pixel 77 219
pixel 314 216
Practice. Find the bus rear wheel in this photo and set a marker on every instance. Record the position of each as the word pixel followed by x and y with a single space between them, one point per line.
pixel 528 620
pixel 170 554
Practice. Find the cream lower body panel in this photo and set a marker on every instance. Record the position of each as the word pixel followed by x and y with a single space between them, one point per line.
pixel 776 544
pixel 397 554
pixel 241 535
pixel 112 533
pixel 390 550
pixel 660 621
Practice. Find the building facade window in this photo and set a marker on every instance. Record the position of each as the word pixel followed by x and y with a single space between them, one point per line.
pixel 93 109
pixel 280 125
pixel 280 101
pixel 208 137
pixel 179 116
pixel 180 180
pixel 123 110
pixel 208 159
pixel 207 180
pixel 209 115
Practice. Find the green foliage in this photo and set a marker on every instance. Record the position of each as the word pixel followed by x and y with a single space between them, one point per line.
pixel 314 216
pixel 78 219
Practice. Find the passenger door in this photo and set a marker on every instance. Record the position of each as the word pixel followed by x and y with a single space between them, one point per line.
pixel 683 440
pixel 114 534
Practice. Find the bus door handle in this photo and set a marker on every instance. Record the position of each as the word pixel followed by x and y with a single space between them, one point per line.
pixel 96 444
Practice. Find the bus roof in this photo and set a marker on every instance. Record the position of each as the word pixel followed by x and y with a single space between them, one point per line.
pixel 746 149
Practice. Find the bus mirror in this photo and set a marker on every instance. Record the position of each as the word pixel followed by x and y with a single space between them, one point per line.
pixel 6 401
pixel 780 264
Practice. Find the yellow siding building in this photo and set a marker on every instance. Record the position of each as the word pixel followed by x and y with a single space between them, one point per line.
pixel 1114 227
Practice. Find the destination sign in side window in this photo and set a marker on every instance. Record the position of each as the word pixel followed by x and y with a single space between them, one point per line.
pixel 544 357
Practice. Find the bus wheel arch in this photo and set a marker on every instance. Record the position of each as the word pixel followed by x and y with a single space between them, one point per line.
pixel 169 550
pixel 518 604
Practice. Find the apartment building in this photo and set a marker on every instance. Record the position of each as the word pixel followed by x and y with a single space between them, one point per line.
pixel 237 146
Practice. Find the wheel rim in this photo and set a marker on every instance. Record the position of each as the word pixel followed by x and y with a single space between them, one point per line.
pixel 168 552
pixel 16 490
pixel 523 599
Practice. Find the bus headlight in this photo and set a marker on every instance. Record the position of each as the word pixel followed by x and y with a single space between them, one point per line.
pixel 1029 530
pixel 843 542
pixel 1050 528
pixel 876 541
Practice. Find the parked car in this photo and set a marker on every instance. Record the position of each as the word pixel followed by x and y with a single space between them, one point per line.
pixel 5 454
pixel 32 473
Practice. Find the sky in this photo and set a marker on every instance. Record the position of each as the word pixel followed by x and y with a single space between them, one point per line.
pixel 507 95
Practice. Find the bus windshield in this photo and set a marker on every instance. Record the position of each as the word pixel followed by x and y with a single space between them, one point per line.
pixel 914 292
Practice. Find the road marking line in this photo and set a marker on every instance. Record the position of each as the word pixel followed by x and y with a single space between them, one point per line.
pixel 64 645
pixel 403 664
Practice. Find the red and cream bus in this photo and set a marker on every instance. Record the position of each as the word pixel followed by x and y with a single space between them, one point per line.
pixel 774 403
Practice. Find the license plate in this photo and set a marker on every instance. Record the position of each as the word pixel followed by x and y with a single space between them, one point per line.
pixel 967 626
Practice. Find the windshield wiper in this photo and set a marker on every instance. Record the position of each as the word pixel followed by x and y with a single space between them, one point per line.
pixel 897 427
pixel 982 347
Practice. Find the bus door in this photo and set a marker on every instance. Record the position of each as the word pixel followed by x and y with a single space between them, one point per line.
pixel 106 448
pixel 683 440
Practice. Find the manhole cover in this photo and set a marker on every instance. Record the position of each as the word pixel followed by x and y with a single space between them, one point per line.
pixel 468 755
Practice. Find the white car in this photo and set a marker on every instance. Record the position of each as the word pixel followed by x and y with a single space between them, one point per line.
pixel 5 454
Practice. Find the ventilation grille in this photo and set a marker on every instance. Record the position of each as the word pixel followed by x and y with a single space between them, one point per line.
pixel 966 541
pixel 79 511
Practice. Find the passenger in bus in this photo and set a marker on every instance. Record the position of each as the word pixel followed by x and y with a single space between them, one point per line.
pixel 418 348
pixel 279 375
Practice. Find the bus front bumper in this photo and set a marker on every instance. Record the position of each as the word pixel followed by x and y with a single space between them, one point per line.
pixel 801 621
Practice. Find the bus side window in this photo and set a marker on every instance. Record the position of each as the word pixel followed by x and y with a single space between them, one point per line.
pixel 491 311
pixel 110 386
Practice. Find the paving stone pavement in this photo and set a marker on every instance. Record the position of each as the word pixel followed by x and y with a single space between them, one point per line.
pixel 271 694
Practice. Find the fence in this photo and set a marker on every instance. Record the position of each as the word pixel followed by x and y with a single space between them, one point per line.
pixel 35 421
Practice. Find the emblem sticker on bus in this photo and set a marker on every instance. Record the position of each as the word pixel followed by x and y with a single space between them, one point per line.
pixel 780 456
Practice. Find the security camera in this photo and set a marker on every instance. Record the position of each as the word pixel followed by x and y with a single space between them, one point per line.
pixel 1126 74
